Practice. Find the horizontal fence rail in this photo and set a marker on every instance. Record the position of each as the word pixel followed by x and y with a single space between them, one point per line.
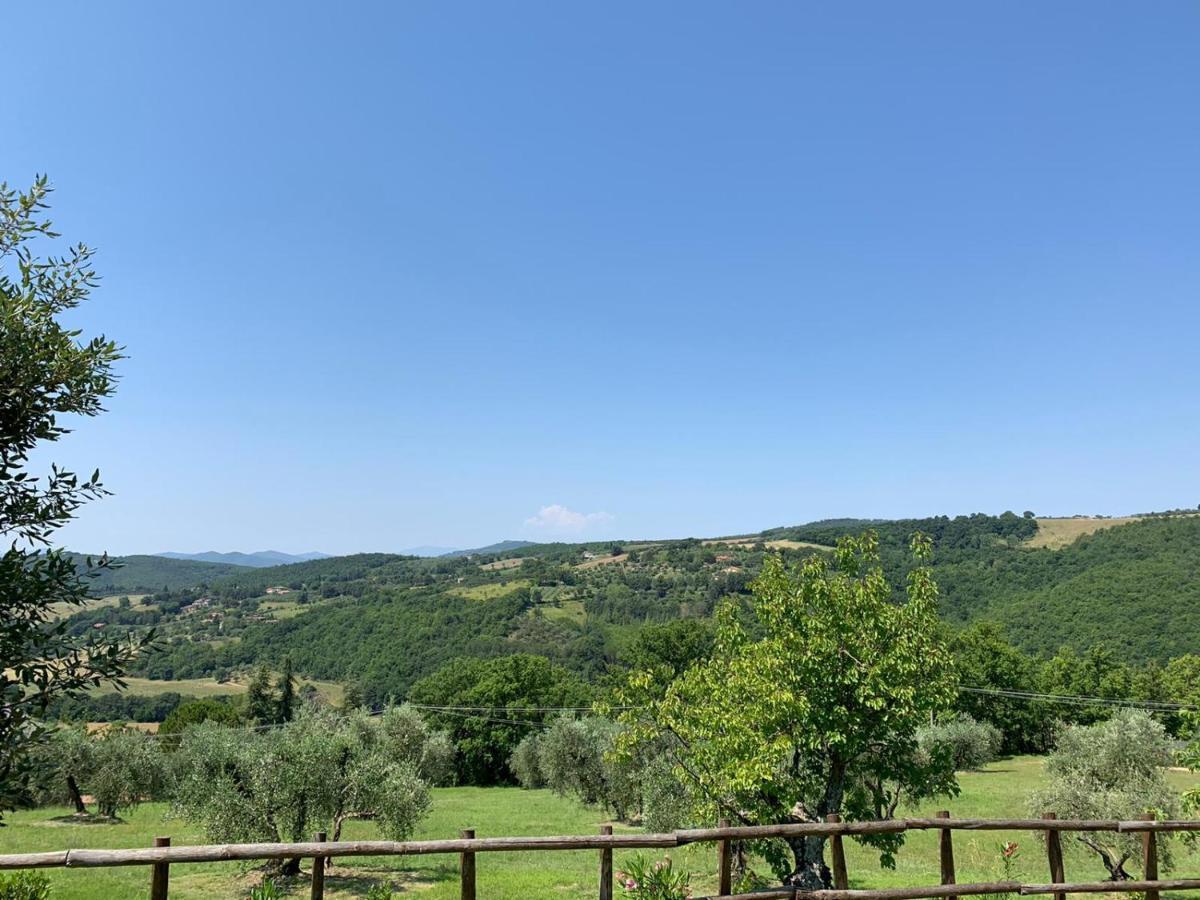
pixel 161 856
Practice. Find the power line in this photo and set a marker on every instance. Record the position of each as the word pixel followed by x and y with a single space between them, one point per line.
pixel 1080 700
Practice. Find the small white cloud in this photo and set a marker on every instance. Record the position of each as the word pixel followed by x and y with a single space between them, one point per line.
pixel 557 517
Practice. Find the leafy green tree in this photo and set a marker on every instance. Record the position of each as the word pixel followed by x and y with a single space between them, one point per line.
pixel 48 372
pixel 285 703
pixel 353 697
pixel 813 706
pixel 497 699
pixel 193 713
pixel 261 705
pixel 984 658
pixel 1114 769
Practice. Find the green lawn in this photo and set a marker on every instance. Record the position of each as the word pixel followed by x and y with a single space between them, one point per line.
pixel 999 791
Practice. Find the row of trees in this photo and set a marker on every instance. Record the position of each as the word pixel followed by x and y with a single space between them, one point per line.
pixel 317 771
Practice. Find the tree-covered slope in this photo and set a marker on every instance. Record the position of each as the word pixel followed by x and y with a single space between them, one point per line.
pixel 1134 587
pixel 383 621
pixel 140 574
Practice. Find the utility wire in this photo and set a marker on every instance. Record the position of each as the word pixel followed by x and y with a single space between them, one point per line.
pixel 1157 705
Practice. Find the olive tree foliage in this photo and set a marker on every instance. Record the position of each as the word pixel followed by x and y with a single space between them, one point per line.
pixel 811 706
pixel 119 767
pixel 315 772
pixel 47 372
pixel 1114 769
pixel 971 744
pixel 526 764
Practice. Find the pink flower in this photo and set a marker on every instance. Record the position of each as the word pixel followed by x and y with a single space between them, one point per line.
pixel 630 884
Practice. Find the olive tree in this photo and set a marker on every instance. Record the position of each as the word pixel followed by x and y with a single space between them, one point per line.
pixel 48 373
pixel 315 772
pixel 119 767
pixel 1114 769
pixel 971 744
pixel 812 705
pixel 126 767
pixel 525 762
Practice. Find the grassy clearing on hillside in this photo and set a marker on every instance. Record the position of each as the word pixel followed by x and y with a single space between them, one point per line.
pixel 603 561
pixel 61 610
pixel 565 611
pixel 1058 533
pixel 1000 790
pixel 491 591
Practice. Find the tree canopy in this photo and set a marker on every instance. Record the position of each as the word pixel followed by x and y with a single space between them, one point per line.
pixel 811 705
pixel 48 372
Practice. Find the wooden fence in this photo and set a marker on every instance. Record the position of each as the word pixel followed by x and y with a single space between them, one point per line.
pixel 160 857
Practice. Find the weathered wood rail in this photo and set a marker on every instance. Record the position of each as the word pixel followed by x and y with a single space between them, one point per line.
pixel 162 855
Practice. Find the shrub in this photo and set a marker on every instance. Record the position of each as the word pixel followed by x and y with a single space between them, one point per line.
pixel 24 886
pixel 643 880
pixel 970 744
pixel 525 764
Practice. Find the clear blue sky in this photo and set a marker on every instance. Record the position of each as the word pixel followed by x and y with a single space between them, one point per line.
pixel 408 273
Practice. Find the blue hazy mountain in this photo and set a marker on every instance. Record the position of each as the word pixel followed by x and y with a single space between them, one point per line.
pixel 258 560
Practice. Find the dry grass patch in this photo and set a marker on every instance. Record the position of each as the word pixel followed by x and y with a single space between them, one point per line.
pixel 603 561
pixel 1058 533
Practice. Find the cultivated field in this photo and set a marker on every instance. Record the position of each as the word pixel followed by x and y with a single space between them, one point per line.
pixel 1000 790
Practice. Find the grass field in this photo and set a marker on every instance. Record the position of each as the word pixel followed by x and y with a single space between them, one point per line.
pixel 491 591
pixel 1058 533
pixel 62 610
pixel 1000 790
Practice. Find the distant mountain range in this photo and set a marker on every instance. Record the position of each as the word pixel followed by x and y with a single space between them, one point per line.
pixel 426 550
pixel 262 559
pixel 500 547
pixel 258 560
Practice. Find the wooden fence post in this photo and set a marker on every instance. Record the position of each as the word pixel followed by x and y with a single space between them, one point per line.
pixel 466 866
pixel 318 873
pixel 1054 856
pixel 838 856
pixel 606 867
pixel 724 862
pixel 946 852
pixel 160 873
pixel 1150 857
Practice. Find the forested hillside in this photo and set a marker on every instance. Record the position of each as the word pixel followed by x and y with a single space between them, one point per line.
pixel 138 573
pixel 381 622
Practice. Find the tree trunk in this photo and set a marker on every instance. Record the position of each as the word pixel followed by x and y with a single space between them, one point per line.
pixel 1115 866
pixel 76 797
pixel 810 873
pixel 290 867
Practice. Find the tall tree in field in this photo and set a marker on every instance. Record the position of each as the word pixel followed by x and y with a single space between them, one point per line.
pixel 48 373
pixel 261 706
pixel 286 703
pixel 813 707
